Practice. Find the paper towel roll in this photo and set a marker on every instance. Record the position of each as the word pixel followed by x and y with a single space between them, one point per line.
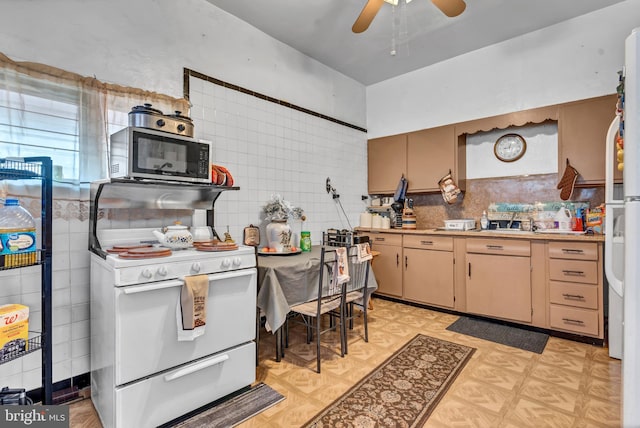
pixel 376 222
pixel 365 220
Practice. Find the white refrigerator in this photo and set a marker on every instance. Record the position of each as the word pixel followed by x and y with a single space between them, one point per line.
pixel 622 245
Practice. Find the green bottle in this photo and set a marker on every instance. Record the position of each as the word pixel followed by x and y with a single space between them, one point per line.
pixel 305 241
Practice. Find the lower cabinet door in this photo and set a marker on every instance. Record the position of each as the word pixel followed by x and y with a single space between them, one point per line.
pixel 428 276
pixel 499 286
pixel 388 270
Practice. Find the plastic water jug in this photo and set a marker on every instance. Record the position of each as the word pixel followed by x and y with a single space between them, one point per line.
pixel 563 219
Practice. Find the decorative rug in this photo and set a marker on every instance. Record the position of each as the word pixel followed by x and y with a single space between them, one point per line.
pixel 402 391
pixel 527 340
pixel 233 411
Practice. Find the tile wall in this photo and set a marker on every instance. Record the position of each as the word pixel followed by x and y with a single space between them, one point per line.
pixel 271 148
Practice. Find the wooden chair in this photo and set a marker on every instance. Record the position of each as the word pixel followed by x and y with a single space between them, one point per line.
pixel 330 302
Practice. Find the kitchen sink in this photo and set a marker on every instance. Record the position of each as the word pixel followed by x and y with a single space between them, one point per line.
pixel 508 231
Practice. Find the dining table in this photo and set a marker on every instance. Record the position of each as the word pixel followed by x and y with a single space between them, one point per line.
pixel 285 280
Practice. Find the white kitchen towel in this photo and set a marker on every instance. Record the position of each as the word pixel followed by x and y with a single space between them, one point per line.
pixel 364 252
pixel 343 265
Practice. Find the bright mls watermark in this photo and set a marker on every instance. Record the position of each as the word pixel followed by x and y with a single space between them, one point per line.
pixel 34 416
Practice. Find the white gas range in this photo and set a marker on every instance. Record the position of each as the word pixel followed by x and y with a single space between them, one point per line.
pixel 141 374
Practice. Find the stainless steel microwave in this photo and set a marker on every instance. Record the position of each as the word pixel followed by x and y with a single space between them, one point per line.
pixel 146 153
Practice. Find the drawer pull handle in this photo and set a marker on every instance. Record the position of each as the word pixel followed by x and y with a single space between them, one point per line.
pixel 573 296
pixel 572 251
pixel 573 272
pixel 570 321
pixel 379 239
pixel 495 247
pixel 426 242
pixel 192 368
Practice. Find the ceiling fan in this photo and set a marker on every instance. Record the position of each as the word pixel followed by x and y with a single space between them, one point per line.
pixel 450 8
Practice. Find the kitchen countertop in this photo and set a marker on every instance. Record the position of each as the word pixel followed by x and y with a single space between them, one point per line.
pixel 476 233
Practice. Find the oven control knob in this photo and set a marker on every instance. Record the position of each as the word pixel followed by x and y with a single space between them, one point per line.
pixel 237 261
pixel 162 271
pixel 160 123
pixel 196 267
pixel 226 263
pixel 147 273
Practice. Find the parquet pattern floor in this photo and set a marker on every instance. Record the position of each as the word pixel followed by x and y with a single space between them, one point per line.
pixel 570 384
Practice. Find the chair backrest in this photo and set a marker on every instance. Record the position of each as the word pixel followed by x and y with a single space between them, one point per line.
pixel 358 270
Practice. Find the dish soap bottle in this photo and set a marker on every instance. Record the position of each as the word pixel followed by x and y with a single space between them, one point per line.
pixel 484 221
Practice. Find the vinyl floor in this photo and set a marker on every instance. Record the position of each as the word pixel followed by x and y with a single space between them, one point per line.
pixel 571 384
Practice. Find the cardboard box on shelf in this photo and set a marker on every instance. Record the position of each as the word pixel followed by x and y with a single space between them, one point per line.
pixel 14 328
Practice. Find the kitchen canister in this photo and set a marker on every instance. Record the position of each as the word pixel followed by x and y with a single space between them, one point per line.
pixel 365 220
pixel 376 221
pixel 386 223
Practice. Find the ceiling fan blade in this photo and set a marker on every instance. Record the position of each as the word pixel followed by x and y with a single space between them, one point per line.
pixel 450 8
pixel 366 16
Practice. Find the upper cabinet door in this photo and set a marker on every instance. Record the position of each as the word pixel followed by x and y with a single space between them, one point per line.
pixel 582 130
pixel 387 162
pixel 431 154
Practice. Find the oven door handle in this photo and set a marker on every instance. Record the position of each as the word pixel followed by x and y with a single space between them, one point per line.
pixel 179 282
pixel 151 287
pixel 192 368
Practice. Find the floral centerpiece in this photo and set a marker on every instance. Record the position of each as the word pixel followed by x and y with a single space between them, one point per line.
pixel 278 209
pixel 277 212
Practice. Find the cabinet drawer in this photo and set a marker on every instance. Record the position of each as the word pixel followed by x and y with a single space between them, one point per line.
pixel 512 247
pixel 583 321
pixel 573 271
pixel 385 239
pixel 573 250
pixel 572 294
pixel 439 243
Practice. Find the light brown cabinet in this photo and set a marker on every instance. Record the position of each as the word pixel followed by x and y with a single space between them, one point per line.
pixel 431 154
pixel 387 266
pixel 424 157
pixel 387 162
pixel 498 282
pixel 575 288
pixel 582 130
pixel 429 270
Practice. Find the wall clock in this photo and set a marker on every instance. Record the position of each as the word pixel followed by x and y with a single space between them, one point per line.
pixel 509 147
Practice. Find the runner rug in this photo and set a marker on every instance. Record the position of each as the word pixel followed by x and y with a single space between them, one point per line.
pixel 233 411
pixel 402 391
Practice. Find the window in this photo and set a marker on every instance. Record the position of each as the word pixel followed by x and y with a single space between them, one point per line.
pixel 45 111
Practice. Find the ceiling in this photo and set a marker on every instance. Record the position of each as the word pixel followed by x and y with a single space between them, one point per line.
pixel 321 29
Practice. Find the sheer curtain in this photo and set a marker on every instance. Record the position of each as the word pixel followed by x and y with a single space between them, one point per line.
pixel 46 111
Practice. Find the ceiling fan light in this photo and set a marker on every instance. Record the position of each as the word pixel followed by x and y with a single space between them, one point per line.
pixel 395 2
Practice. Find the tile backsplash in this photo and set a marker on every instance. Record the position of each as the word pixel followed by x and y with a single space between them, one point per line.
pixel 431 210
